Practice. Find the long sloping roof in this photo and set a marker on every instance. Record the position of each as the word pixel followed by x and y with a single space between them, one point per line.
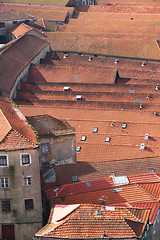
pixel 15 56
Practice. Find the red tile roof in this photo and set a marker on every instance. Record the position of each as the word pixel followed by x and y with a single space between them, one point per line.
pixel 143 187
pixel 13 64
pixel 22 28
pixel 112 223
pixel 17 133
pixel 154 206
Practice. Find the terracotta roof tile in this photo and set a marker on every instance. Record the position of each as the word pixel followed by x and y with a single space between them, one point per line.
pixel 22 29
pixel 84 222
pixel 16 122
pixel 11 64
pixel 154 206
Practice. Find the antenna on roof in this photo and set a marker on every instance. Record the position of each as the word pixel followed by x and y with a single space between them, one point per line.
pixel 142 147
pixel 140 106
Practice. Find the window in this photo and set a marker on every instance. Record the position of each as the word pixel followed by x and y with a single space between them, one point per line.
pixel 95 130
pixel 27 181
pixel 26 21
pixel 4 182
pixel 6 206
pixel 45 148
pixel 15 22
pixel 3 160
pixel 2 25
pixel 25 159
pixel 28 204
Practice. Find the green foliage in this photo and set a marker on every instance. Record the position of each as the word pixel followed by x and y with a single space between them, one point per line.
pixel 36 134
pixel 16 105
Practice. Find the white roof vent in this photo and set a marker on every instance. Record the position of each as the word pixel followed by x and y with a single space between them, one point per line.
pixel 66 88
pixel 90 59
pixel 157 88
pixel 108 208
pixel 146 136
pixel 116 61
pixel 140 106
pixel 155 114
pixel 112 124
pixel 65 55
pixel 78 97
pixel 143 64
pixel 142 147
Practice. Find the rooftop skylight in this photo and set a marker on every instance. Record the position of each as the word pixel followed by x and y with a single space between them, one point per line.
pixel 107 139
pixel 78 149
pixel 131 91
pixel 151 170
pixel 75 77
pixel 88 184
pixel 83 138
pixel 95 130
pixel 124 125
pixel 122 180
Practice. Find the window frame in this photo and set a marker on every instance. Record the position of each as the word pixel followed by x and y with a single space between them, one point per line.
pixel 21 159
pixel 6 208
pixel 6 155
pixel 27 179
pixel 2 25
pixel 6 185
pixel 42 145
pixel 28 209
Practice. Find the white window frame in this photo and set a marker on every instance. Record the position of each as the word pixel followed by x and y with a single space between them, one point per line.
pixel 6 182
pixel 26 181
pixel 27 164
pixel 6 159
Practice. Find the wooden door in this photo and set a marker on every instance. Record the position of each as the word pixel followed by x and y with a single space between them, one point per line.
pixel 8 232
